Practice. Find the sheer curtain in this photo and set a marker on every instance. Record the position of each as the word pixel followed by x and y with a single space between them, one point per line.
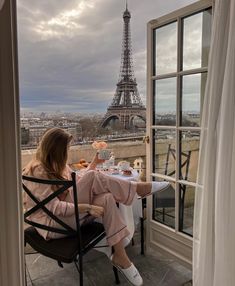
pixel 214 221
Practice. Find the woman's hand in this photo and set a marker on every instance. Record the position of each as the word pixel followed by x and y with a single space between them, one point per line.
pixel 95 161
pixel 93 210
pixel 96 211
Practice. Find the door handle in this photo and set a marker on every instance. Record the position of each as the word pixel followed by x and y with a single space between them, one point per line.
pixel 146 139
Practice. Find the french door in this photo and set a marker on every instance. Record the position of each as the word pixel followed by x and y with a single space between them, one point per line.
pixel 177 55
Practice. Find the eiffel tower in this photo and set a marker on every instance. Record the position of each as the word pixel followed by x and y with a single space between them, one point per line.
pixel 126 104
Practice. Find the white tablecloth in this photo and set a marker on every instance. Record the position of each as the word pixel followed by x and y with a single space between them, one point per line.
pixel 131 214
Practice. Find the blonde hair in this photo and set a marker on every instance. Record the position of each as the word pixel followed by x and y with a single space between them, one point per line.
pixel 52 152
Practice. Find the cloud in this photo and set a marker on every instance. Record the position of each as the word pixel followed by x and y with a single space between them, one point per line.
pixel 70 50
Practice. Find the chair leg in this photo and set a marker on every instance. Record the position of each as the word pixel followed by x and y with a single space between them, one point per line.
pixel 144 202
pixel 142 235
pixel 81 270
pixel 115 271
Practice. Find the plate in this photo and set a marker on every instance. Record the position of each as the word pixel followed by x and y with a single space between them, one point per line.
pixel 115 173
pixel 127 174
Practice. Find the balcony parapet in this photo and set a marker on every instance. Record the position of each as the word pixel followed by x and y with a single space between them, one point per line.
pixel 122 150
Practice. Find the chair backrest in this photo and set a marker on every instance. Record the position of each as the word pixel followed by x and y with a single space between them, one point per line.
pixel 61 185
pixel 183 162
pixel 166 198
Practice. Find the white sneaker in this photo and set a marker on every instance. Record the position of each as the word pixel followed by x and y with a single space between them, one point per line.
pixel 157 187
pixel 131 274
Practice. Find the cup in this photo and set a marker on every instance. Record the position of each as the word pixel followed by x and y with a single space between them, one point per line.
pixel 124 165
pixel 104 154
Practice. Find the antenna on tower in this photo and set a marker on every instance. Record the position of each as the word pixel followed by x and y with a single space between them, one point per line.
pixel 126 4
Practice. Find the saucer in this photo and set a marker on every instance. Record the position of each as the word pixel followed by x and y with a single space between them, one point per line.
pixel 127 173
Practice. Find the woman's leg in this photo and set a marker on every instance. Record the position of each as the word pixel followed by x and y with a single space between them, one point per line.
pixel 115 227
pixel 120 257
pixel 143 188
pixel 98 189
pixel 123 191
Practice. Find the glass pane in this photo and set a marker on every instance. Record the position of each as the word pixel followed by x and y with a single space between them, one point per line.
pixel 165 102
pixel 193 89
pixel 196 40
pixel 164 206
pixel 189 150
pixel 187 195
pixel 165 49
pixel 164 152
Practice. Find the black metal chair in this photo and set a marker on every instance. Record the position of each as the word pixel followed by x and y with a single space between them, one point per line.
pixel 166 198
pixel 142 219
pixel 76 243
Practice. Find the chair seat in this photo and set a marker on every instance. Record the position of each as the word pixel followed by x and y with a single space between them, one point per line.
pixel 64 249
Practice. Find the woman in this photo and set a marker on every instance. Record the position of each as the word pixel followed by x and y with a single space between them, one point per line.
pixel 97 196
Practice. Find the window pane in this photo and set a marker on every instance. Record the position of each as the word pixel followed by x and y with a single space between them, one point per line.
pixel 193 89
pixel 187 194
pixel 165 49
pixel 165 102
pixel 196 40
pixel 164 206
pixel 164 152
pixel 189 150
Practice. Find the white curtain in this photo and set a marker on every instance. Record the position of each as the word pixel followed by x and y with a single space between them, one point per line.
pixel 214 221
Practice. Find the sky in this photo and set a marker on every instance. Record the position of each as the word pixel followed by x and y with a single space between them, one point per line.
pixel 70 51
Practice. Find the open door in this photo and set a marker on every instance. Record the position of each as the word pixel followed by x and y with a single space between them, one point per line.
pixel 177 55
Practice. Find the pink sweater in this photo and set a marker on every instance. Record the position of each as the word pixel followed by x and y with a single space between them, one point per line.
pixel 56 206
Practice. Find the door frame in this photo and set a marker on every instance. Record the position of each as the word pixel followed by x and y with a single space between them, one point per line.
pixel 11 213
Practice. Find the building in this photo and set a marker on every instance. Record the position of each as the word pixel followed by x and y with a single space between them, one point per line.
pixel 32 129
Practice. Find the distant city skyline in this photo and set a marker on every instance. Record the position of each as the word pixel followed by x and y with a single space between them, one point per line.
pixel 70 51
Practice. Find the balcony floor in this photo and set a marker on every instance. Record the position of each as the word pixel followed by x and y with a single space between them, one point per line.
pixel 156 270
